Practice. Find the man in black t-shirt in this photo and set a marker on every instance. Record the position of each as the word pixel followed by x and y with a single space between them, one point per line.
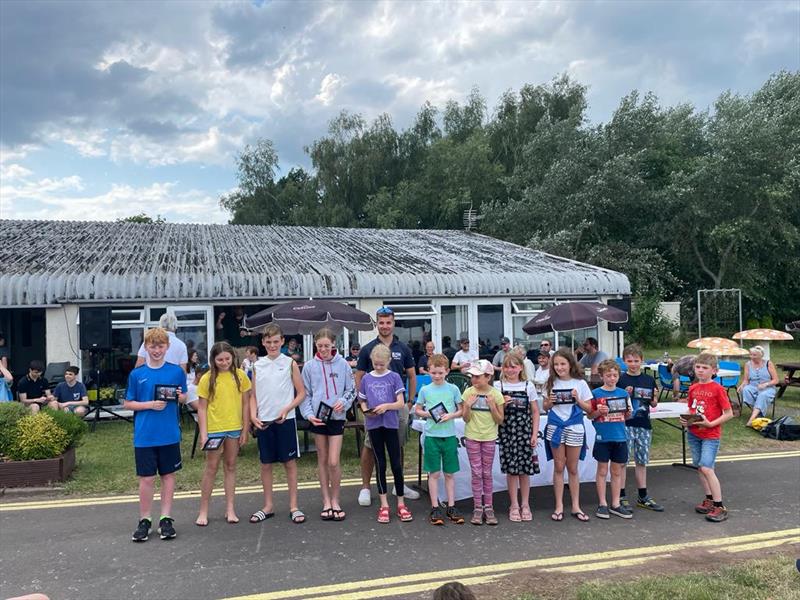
pixel 33 389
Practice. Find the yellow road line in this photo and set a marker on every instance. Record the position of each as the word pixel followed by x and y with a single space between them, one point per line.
pixel 492 569
pixel 602 566
pixel 758 545
pixel 407 589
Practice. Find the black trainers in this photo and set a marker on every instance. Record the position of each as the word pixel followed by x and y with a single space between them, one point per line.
pixel 142 533
pixel 455 515
pixel 165 528
pixel 437 516
pixel 649 503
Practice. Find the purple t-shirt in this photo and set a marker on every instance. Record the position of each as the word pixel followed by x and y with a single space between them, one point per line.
pixel 381 389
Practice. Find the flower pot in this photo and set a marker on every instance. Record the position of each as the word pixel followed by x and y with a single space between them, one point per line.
pixel 32 473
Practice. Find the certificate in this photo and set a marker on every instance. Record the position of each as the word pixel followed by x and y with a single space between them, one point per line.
pixel 324 411
pixel 166 393
pixel 438 411
pixel 213 443
pixel 563 397
pixel 616 404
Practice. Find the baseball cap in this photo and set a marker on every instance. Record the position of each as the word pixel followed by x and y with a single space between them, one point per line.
pixel 505 340
pixel 481 367
pixel 464 340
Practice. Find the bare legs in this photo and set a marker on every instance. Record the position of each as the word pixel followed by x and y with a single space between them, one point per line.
pixel 229 452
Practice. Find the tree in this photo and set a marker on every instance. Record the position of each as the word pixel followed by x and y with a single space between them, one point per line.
pixel 142 218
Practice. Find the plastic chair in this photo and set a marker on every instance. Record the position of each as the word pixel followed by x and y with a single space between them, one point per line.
pixel 422 380
pixel 731 382
pixel 622 366
pixel 54 373
pixel 458 379
pixel 665 380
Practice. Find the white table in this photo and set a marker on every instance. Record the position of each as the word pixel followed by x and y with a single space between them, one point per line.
pixel 720 372
pixel 673 410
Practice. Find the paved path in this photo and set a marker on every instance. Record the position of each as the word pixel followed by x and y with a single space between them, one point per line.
pixel 81 548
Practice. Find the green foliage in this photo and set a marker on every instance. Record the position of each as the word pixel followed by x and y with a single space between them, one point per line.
pixel 37 437
pixel 142 218
pixel 74 426
pixel 752 323
pixel 10 414
pixel 766 322
pixel 649 325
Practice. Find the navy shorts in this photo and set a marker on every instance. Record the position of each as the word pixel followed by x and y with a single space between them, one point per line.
pixel 616 452
pixel 278 442
pixel 330 428
pixel 157 459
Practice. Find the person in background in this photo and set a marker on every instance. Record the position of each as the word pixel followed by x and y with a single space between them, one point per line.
pixel 758 384
pixel 3 351
pixel 500 355
pixel 530 369
pixel 193 372
pixel 592 355
pixel 230 327
pixel 70 395
pixel 177 354
pixel 447 348
pixel 352 358
pixel 422 363
pixel 684 366
pixel 33 389
pixel 251 356
pixel 293 350
pixel 465 357
pixel 6 379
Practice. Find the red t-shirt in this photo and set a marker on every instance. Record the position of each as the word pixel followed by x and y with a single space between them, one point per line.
pixel 709 399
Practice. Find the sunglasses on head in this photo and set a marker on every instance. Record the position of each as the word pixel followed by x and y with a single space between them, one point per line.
pixel 384 310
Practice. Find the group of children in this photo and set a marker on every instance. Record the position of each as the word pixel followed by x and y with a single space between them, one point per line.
pixel 233 406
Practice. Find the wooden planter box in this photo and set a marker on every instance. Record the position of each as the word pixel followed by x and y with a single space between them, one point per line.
pixel 30 473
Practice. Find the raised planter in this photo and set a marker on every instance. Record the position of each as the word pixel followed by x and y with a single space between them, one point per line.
pixel 29 473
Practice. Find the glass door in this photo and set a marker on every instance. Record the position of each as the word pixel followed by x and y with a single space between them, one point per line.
pixel 195 328
pixel 450 327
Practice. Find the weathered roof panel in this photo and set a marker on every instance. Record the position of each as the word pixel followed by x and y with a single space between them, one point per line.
pixel 50 262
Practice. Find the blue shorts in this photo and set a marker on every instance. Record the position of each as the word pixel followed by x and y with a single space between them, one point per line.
pixel 157 459
pixel 278 442
pixel 639 442
pixel 235 434
pixel 704 451
pixel 329 428
pixel 616 452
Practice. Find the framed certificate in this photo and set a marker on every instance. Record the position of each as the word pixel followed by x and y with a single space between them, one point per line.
pixel 438 411
pixel 213 443
pixel 692 418
pixel 563 397
pixel 167 393
pixel 616 404
pixel 324 411
pixel 643 395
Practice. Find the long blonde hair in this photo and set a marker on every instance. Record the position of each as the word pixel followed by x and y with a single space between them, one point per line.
pixel 213 372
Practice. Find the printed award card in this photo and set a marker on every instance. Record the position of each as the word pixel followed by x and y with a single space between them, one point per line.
pixel 324 412
pixel 563 397
pixel 167 393
pixel 213 443
pixel 438 411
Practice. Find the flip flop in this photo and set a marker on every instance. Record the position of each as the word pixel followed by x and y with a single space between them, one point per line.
pixel 557 516
pixel 581 516
pixel 199 524
pixel 297 516
pixel 326 514
pixel 260 515
pixel 338 514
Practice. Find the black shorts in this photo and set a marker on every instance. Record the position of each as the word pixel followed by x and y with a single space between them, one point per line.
pixel 278 442
pixel 330 428
pixel 616 452
pixel 157 459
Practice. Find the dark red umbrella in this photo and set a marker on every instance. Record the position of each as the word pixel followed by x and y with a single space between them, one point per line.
pixel 574 315
pixel 309 316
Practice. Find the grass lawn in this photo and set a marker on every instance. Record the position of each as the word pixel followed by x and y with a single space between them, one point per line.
pixel 105 460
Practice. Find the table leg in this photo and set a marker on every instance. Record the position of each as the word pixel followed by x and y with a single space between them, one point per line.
pixel 683 462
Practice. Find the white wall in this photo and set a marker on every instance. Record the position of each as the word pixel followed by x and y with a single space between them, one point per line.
pixel 61 331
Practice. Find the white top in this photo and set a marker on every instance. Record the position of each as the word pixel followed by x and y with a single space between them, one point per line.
pixel 530 370
pixel 584 393
pixel 461 357
pixel 176 353
pixel 541 375
pixel 274 387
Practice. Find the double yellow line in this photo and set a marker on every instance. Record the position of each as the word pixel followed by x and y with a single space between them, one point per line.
pixel 614 559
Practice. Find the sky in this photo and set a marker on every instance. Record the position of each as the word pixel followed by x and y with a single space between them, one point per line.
pixel 111 109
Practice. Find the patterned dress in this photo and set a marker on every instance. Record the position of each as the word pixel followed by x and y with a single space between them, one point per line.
pixel 514 434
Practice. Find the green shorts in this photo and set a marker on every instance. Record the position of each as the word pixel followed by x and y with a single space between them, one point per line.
pixel 440 454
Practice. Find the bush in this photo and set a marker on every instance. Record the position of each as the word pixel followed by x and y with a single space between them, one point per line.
pixel 649 325
pixel 766 322
pixel 10 414
pixel 752 323
pixel 72 424
pixel 37 437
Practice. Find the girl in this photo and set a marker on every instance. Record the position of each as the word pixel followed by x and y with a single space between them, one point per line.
pixel 541 375
pixel 193 371
pixel 758 384
pixel 483 412
pixel 568 398
pixel 382 394
pixel 223 398
pixel 518 435
pixel 330 391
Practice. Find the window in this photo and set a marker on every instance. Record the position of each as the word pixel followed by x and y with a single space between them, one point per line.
pixel 413 310
pixel 127 316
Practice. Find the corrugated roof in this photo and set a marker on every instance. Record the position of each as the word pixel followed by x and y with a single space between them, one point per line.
pixel 51 262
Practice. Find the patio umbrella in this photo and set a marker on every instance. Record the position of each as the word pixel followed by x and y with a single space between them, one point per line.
pixel 764 336
pixel 309 316
pixel 712 342
pixel 574 315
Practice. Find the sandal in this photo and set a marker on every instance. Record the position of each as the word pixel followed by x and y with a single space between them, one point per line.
pixel 326 514
pixel 383 514
pixel 201 522
pixel 338 514
pixel 404 514
pixel 260 515
pixel 526 513
pixel 557 516
pixel 513 514
pixel 477 517
pixel 297 516
pixel 488 512
pixel 581 516
pixel 231 521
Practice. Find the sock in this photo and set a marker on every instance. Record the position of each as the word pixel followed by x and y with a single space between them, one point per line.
pixel 708 497
pixel 165 517
pixel 149 520
pixel 718 504
pixel 643 493
pixel 622 493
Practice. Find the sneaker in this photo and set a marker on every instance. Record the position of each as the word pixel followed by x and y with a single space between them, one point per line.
pixel 649 503
pixel 455 515
pixel 142 533
pixel 408 493
pixel 602 512
pixel 621 511
pixel 704 507
pixel 165 528
pixel 477 516
pixel 437 516
pixel 365 497
pixel 624 502
pixel 717 514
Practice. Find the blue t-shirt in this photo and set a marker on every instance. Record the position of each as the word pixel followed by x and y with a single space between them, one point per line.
pixel 402 357
pixel 155 427
pixel 644 387
pixel 431 395
pixel 610 428
pixel 381 389
pixel 65 393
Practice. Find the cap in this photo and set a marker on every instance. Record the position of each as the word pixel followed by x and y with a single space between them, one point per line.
pixel 481 367
pixel 464 340
pixel 505 340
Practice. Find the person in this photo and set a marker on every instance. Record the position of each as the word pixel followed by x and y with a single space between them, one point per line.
pixel 529 368
pixel 328 381
pixel 639 431
pixel 177 354
pixel 464 358
pixel 542 374
pixel 6 379
pixel 758 384
pixel 33 389
pixel 505 348
pixel 610 443
pixel 565 435
pixel 684 366
pixel 422 363
pixel 352 358
pixel 223 403
pixel 519 435
pixel 381 394
pixel 230 328
pixel 70 395
pixel 447 348
pixel 293 350
pixel 482 408
pixel 592 355
pixel 156 431
pixel 4 354
pixel 546 347
pixel 403 364
pixel 279 391
pixel 708 400
pixel 250 358
pixel 193 372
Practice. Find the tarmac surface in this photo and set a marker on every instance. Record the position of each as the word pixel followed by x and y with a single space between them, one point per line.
pixel 81 548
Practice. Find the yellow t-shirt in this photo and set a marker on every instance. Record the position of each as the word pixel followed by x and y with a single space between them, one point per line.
pixel 481 426
pixel 225 408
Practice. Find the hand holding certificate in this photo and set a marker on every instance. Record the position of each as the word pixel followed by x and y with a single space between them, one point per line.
pixel 324 412
pixel 213 443
pixel 438 412
pixel 563 396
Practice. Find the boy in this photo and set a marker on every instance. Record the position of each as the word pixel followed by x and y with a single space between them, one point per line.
pixel 611 444
pixel 156 430
pixel 278 391
pixel 708 400
pixel 642 390
pixel 33 389
pixel 251 356
pixel 464 358
pixel 441 446
pixel 70 395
